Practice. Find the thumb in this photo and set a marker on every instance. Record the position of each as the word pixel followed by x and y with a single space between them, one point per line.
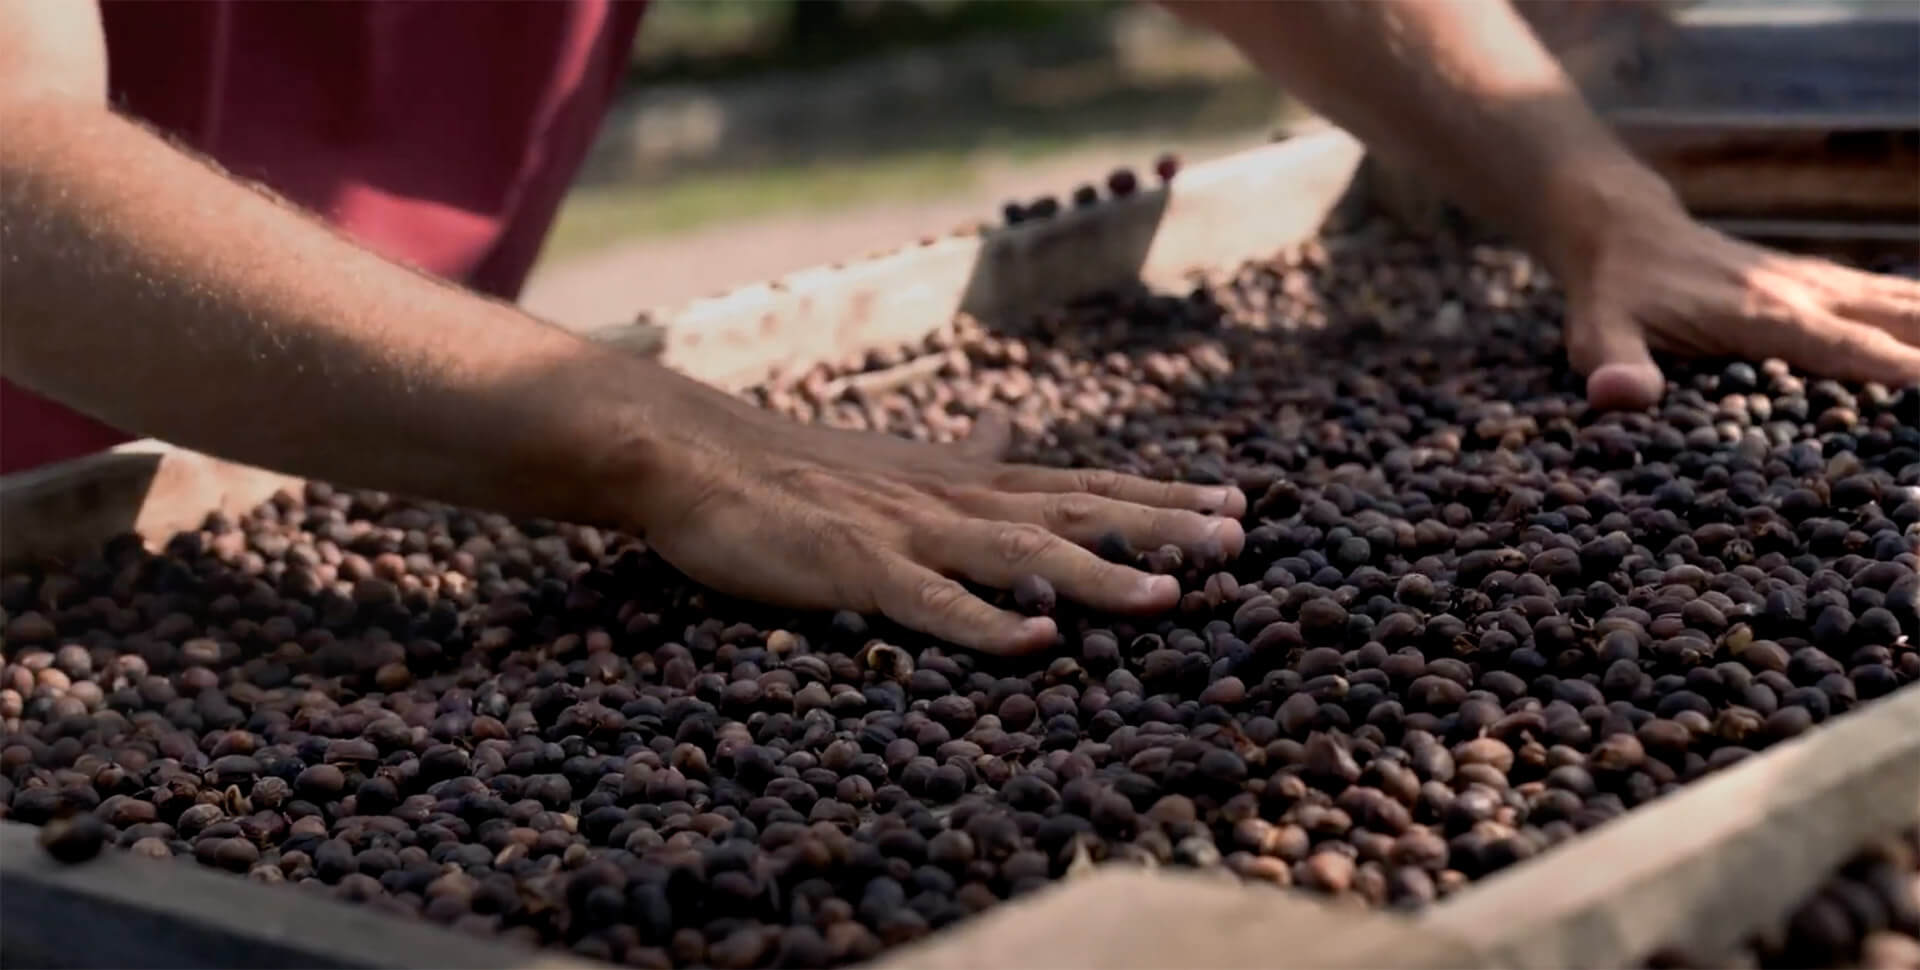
pixel 1608 347
pixel 990 438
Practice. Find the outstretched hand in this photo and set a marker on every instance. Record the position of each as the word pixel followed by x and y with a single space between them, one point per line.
pixel 812 518
pixel 1671 284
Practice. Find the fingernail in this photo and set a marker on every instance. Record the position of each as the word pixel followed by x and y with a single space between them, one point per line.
pixel 1228 537
pixel 1231 501
pixel 1159 588
pixel 1037 632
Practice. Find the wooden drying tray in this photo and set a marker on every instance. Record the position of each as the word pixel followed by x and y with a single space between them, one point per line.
pixel 1700 869
pixel 1709 864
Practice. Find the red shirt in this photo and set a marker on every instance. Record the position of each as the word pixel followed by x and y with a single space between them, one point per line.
pixel 435 133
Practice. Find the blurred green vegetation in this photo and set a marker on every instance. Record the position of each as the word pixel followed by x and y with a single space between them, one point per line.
pixel 714 39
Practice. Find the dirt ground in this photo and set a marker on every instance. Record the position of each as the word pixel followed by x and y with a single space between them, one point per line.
pixel 614 284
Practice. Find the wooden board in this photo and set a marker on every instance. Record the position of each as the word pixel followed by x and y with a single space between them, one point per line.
pixel 68 509
pixel 1131 919
pixel 1754 168
pixel 119 910
pixel 1710 864
pixel 1700 870
pixel 1156 237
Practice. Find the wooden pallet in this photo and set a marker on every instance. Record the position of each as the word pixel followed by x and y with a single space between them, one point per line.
pixel 1713 862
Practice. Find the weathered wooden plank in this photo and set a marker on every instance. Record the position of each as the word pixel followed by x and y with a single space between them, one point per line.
pixel 121 911
pixel 1129 919
pixel 1785 171
pixel 1709 864
pixel 1156 237
pixel 69 508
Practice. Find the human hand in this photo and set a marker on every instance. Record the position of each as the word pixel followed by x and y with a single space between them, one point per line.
pixel 1664 281
pixel 819 519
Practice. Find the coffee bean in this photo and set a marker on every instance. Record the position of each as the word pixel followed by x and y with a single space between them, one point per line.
pixel 1470 619
pixel 1034 595
pixel 73 839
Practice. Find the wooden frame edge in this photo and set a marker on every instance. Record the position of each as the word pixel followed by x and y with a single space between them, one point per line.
pixel 69 508
pixel 1134 919
pixel 1709 864
pixel 121 911
pixel 1157 237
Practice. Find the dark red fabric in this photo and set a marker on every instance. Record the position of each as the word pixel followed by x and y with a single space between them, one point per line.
pixel 438 134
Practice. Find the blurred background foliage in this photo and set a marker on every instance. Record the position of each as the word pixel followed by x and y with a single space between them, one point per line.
pixel 735 109
pixel 713 39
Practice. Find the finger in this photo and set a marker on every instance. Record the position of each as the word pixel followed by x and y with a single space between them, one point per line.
pixel 1000 553
pixel 921 599
pixel 1612 352
pixel 990 438
pixel 1085 519
pixel 1827 344
pixel 1890 303
pixel 1207 499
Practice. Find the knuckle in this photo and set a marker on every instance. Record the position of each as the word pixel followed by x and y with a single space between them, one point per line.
pixel 947 491
pixel 849 541
pixel 1100 482
pixel 809 477
pixel 1074 509
pixel 1022 544
pixel 940 596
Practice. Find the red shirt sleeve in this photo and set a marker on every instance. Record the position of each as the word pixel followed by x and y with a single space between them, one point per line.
pixel 442 135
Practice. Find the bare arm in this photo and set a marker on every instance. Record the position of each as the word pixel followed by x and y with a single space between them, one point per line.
pixel 1458 90
pixel 1463 93
pixel 146 288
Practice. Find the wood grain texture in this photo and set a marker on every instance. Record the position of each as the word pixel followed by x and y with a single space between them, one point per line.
pixel 66 510
pixel 1130 919
pixel 1709 864
pixel 1737 167
pixel 118 910
pixel 1156 237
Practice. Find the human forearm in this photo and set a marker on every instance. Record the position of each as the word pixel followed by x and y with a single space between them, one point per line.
pixel 1459 90
pixel 1462 92
pixel 149 290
